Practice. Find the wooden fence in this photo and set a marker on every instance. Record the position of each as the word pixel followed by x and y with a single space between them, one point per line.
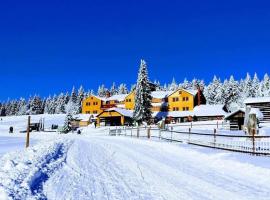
pixel 256 145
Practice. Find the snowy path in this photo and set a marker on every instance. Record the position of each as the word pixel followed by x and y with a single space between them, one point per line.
pixel 67 167
pixel 124 168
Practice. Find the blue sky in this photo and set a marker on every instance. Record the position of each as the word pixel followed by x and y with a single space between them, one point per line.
pixel 48 46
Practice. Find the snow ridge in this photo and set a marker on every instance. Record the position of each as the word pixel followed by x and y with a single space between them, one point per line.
pixel 24 173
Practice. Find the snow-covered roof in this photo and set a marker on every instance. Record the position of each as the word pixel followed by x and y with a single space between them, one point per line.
pixel 209 110
pixel 180 113
pixel 160 94
pixel 192 92
pixel 124 112
pixel 257 112
pixel 159 104
pixel 234 112
pixel 117 97
pixel 82 117
pixel 257 100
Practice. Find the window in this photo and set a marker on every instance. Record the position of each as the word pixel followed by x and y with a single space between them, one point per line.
pixel 185 108
pixel 128 100
pixel 95 112
pixel 175 99
pixel 175 109
pixel 87 112
pixel 185 98
pixel 180 92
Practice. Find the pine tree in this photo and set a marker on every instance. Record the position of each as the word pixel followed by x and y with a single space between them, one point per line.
pixel 248 84
pixel 22 107
pixel 213 93
pixel 67 123
pixel 173 86
pixel 255 86
pixel 143 96
pixel 122 89
pixel 230 93
pixel 265 86
pixel 81 96
pixel 61 104
pixel 102 91
pixel 35 106
pixel 113 90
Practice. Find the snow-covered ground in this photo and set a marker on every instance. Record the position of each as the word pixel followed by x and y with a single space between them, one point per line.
pixel 97 166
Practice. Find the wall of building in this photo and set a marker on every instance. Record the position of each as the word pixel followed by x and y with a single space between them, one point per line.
pixel 181 100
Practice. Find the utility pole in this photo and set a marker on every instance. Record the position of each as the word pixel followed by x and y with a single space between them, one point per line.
pixel 28 133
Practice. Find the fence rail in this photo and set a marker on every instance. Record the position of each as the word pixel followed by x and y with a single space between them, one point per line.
pixel 255 144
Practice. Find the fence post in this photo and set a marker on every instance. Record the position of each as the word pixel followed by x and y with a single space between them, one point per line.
pixel 191 125
pixel 138 132
pixel 215 137
pixel 189 131
pixel 109 131
pixel 217 124
pixel 159 133
pixel 125 131
pixel 148 133
pixel 171 133
pixel 253 141
pixel 131 131
pixel 28 133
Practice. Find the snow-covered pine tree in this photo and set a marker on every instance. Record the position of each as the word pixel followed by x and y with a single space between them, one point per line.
pixel 265 86
pixel 186 84
pixel 22 107
pixel 213 91
pixel 81 96
pixel 230 93
pixel 142 111
pixel 256 86
pixel 122 89
pixel 173 86
pixel 113 90
pixel 35 105
pixel 248 84
pixel 72 106
pixel 61 104
pixel 102 91
pixel 67 123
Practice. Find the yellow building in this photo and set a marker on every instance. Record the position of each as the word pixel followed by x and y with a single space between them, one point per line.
pixel 96 105
pixel 92 105
pixel 114 117
pixel 182 100
pixel 130 101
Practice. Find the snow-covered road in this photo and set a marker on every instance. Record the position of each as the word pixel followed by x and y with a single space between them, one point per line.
pixel 104 167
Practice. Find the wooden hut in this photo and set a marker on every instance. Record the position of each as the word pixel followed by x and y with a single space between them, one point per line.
pixel 236 119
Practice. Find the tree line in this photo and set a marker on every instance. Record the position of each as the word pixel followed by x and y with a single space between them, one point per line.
pixel 229 92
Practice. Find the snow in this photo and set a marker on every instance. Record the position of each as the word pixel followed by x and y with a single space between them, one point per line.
pixel 234 112
pixel 83 117
pixel 209 110
pixel 97 166
pixel 117 97
pixel 257 112
pixel 160 94
pixel 257 100
pixel 124 112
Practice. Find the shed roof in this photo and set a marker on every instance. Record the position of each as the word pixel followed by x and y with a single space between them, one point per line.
pixel 209 110
pixel 235 112
pixel 257 100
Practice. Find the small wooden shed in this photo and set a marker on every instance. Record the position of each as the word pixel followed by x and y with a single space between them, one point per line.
pixel 236 119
